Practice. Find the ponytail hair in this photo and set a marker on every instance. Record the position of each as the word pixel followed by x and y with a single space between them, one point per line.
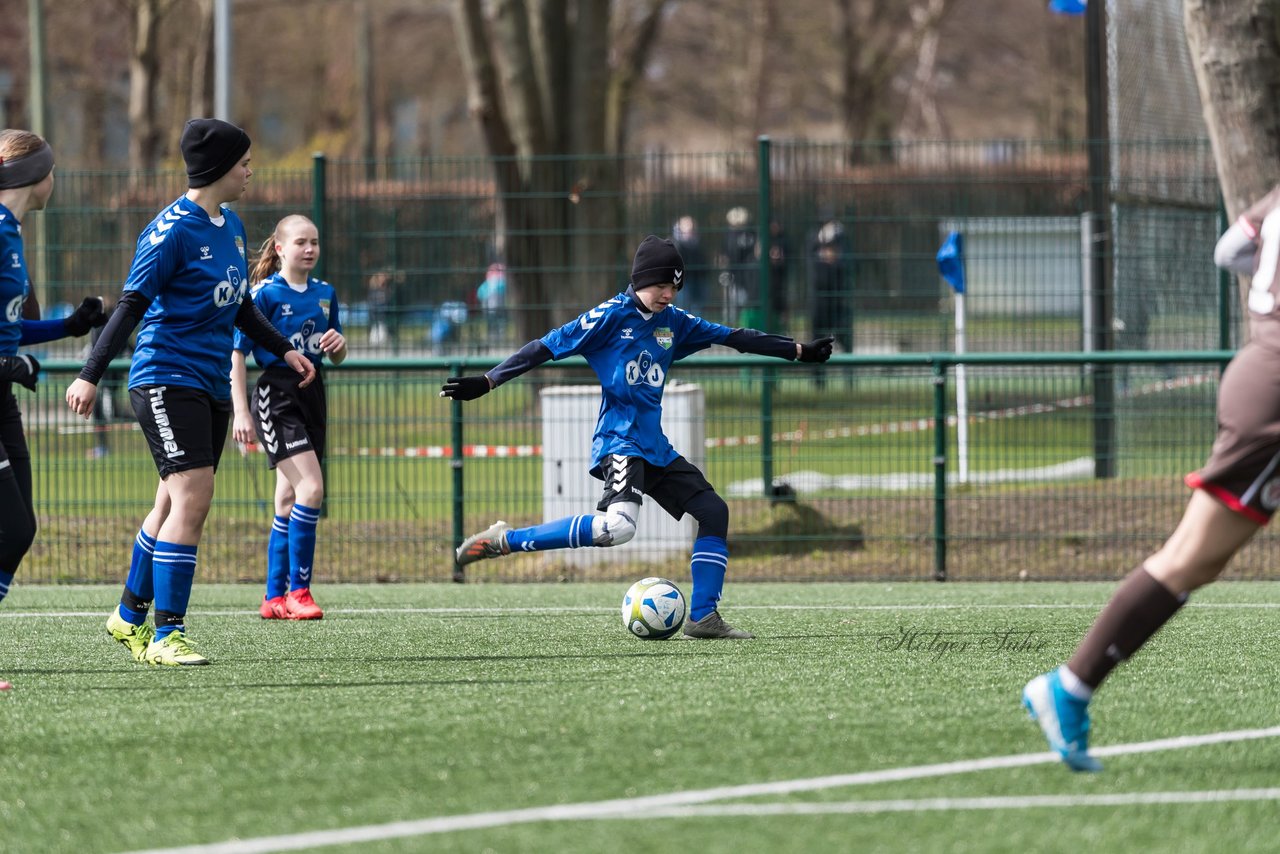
pixel 268 262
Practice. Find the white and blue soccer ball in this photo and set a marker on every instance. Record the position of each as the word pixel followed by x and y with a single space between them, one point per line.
pixel 653 609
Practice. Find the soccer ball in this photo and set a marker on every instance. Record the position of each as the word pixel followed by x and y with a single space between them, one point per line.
pixel 653 609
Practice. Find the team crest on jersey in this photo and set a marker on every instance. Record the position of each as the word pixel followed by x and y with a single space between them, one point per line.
pixel 664 337
pixel 643 369
pixel 231 290
pixel 240 245
pixel 1270 495
pixel 324 308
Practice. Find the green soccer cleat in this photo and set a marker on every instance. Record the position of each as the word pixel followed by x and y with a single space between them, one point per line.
pixel 174 651
pixel 135 638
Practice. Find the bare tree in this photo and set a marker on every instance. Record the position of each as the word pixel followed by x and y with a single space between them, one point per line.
pixel 144 78
pixel 877 38
pixel 546 77
pixel 1235 46
pixel 202 72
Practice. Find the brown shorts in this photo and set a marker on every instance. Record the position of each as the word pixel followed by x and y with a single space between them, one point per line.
pixel 1243 469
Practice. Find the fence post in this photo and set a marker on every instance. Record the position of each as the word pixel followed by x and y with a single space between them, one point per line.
pixel 319 191
pixel 939 470
pixel 459 502
pixel 1224 288
pixel 764 205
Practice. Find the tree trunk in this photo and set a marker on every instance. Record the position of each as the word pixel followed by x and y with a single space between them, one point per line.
pixel 1235 46
pixel 144 74
pixel 202 61
pixel 877 38
pixel 539 84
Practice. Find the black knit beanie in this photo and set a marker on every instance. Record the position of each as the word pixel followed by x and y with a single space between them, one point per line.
pixel 657 262
pixel 210 148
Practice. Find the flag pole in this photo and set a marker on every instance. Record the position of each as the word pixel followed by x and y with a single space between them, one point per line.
pixel 962 394
pixel 951 267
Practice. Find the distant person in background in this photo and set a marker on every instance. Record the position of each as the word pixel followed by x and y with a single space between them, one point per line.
pixel 1236 494
pixel 738 261
pixel 491 294
pixel 289 421
pixel 26 182
pixel 779 270
pixel 381 299
pixel 1132 328
pixel 831 258
pixel 684 234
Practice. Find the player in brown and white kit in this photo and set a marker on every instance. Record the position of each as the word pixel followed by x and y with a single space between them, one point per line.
pixel 1236 493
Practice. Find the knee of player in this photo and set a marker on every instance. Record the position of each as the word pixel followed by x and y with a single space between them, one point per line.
pixel 310 493
pixel 711 513
pixel 612 529
pixel 16 538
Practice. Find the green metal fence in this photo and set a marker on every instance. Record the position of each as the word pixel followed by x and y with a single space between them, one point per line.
pixel 867 478
pixel 1070 465
pixel 853 237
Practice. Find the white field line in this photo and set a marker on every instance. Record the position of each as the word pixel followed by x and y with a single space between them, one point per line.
pixel 11 614
pixel 940 804
pixel 622 807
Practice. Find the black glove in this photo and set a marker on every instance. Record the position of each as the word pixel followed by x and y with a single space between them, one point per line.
pixel 22 370
pixel 88 316
pixel 465 388
pixel 816 351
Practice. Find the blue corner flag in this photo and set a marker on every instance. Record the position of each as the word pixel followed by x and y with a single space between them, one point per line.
pixel 1068 7
pixel 951 261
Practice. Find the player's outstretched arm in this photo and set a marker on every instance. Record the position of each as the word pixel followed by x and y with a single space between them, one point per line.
pixel 780 346
pixel 525 359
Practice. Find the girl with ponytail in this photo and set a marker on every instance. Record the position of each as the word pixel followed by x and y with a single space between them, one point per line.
pixel 290 422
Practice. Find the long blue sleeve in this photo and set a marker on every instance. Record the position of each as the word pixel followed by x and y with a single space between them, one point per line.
pixel 40 331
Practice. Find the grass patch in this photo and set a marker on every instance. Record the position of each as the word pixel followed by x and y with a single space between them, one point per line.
pixel 417 701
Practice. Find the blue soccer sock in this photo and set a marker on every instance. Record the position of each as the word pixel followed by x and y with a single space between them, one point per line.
pixel 174 570
pixel 302 545
pixel 6 578
pixel 278 557
pixel 571 532
pixel 139 587
pixel 707 566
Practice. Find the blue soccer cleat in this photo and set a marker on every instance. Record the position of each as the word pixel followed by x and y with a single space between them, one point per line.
pixel 1063 719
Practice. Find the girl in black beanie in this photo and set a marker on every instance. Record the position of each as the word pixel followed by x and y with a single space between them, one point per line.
pixel 193 255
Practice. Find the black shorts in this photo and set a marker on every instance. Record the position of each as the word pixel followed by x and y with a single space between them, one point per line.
pixel 13 441
pixel 185 427
pixel 627 478
pixel 288 420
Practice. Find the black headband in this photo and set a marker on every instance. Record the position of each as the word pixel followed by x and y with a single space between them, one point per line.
pixel 26 170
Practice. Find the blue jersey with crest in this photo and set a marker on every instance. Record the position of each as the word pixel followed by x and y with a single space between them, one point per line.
pixel 302 316
pixel 631 351
pixel 194 271
pixel 14 284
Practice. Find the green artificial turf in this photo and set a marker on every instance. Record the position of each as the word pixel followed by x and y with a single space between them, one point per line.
pixel 412 702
